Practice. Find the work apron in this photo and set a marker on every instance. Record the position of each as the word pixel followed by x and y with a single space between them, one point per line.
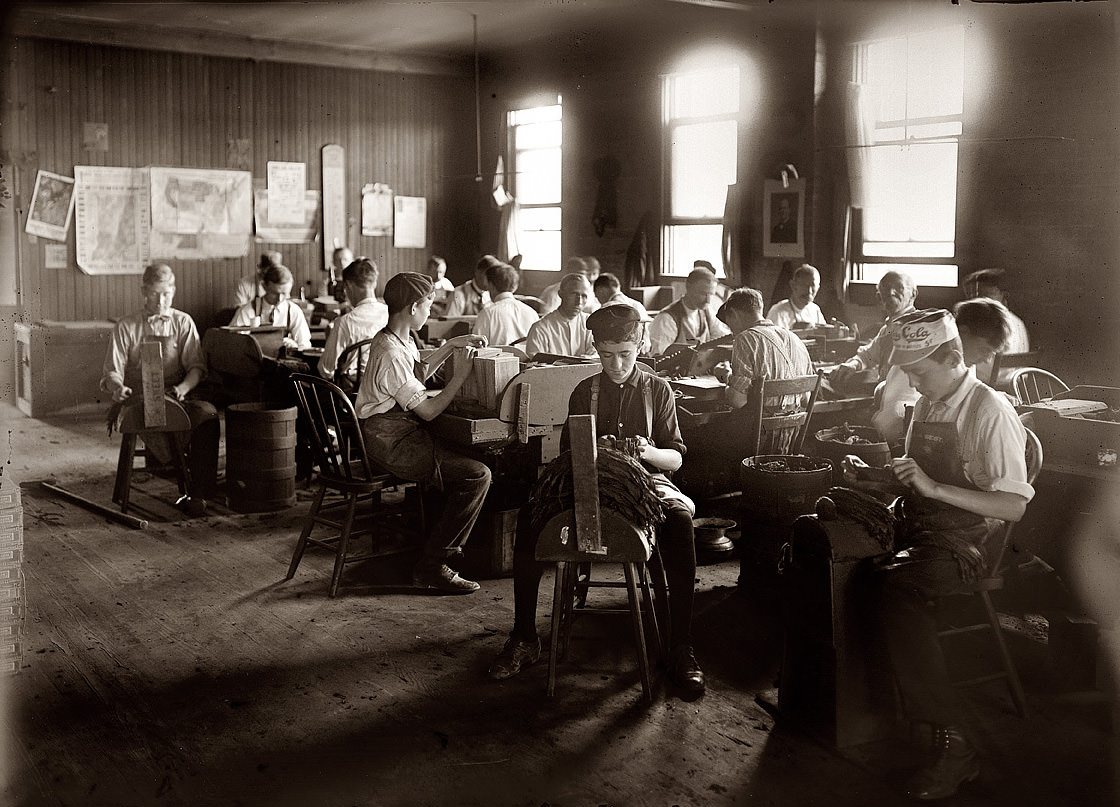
pixel 665 489
pixel 397 441
pixel 924 522
pixel 158 444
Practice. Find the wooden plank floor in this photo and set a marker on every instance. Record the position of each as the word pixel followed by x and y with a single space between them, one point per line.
pixel 172 666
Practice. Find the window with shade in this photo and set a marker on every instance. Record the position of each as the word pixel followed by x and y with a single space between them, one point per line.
pixel 536 140
pixel 905 120
pixel 701 129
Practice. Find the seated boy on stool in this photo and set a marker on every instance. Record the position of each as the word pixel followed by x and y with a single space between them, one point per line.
pixel 626 402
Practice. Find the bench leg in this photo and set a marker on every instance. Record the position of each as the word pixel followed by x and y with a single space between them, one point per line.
pixel 123 483
pixel 639 631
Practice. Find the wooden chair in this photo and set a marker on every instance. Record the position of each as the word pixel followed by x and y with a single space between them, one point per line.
pixel 345 468
pixel 992 580
pixel 359 354
pixel 757 423
pixel 1032 385
pixel 587 536
pixel 131 426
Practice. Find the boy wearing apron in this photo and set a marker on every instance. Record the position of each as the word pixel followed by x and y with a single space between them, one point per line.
pixel 964 465
pixel 184 366
pixel 627 401
pixel 393 405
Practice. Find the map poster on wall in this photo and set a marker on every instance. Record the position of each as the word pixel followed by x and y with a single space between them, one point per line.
pixel 410 222
pixel 51 206
pixel 377 209
pixel 200 213
pixel 111 223
pixel 282 232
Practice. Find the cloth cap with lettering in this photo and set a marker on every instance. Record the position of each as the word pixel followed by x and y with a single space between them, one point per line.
pixel 405 288
pixel 918 334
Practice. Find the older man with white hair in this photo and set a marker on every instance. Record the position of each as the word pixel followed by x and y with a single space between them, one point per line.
pixel 897 293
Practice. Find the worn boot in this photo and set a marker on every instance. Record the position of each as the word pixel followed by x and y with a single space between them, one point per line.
pixel 954 763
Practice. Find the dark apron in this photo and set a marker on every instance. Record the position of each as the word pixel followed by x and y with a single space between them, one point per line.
pixel 159 444
pixel 397 441
pixel 924 522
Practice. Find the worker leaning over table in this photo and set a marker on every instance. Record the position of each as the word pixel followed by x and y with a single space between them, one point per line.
pixel 184 366
pixel 393 405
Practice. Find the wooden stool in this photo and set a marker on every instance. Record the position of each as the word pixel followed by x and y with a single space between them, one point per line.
pixel 131 426
pixel 586 535
pixel 623 544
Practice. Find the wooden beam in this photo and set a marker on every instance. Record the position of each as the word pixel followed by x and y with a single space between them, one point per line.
pixel 585 483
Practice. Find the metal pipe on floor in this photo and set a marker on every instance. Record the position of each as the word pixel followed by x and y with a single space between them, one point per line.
pixel 116 515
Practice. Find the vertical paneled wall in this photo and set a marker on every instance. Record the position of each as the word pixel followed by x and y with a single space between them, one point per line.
pixel 412 132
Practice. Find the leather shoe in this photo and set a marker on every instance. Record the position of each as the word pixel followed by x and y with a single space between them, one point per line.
pixel 685 672
pixel 443 578
pixel 515 655
pixel 954 764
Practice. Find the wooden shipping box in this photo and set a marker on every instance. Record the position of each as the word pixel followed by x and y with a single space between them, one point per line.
pixel 491 374
pixel 58 364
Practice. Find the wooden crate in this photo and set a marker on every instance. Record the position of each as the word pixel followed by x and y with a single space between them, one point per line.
pixel 489 377
pixel 58 364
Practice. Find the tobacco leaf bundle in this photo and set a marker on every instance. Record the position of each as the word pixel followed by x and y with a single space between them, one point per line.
pixel 625 487
pixel 868 510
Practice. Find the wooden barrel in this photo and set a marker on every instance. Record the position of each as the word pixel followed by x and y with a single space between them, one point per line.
pixel 777 488
pixel 833 445
pixel 261 456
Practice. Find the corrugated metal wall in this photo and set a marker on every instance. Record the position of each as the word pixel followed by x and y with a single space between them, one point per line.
pixel 413 132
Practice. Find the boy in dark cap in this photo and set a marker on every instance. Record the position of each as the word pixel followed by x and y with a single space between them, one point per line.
pixel 965 464
pixel 626 401
pixel 392 404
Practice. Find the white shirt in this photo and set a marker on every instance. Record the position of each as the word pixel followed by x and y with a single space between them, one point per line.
pixel 550 299
pixel 467 300
pixel 992 444
pixel 557 334
pixel 363 322
pixel 248 289
pixel 1020 341
pixel 664 332
pixel 287 314
pixel 390 377
pixel 785 314
pixel 505 320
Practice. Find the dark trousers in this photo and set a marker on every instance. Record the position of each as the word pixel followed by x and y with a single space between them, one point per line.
pixel 908 626
pixel 200 445
pixel 677 545
pixel 463 483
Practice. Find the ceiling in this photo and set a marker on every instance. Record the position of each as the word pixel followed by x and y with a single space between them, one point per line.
pixel 441 28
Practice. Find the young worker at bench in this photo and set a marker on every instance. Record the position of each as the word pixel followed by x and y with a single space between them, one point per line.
pixel 392 404
pixel 627 402
pixel 965 463
pixel 184 366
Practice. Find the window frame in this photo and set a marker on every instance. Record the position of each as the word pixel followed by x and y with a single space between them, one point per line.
pixel 858 255
pixel 515 173
pixel 668 126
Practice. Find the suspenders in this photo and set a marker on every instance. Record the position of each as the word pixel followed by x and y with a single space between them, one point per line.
pixel 647 401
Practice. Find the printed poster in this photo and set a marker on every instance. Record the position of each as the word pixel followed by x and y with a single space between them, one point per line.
pixel 51 206
pixel 111 219
pixel 377 209
pixel 200 213
pixel 287 183
pixel 281 232
pixel 410 222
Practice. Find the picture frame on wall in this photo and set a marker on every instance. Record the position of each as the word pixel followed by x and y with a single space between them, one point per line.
pixel 783 219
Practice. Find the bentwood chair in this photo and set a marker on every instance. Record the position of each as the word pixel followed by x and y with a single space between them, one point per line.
pixel 350 378
pixel 1032 385
pixel 992 580
pixel 346 469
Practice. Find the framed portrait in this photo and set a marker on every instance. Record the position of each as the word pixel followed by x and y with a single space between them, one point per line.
pixel 51 205
pixel 783 219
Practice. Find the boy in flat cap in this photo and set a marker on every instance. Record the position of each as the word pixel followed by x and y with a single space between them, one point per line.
pixel 393 403
pixel 964 464
pixel 626 401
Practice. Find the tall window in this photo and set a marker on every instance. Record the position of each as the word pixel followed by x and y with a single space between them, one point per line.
pixel 701 117
pixel 910 102
pixel 536 138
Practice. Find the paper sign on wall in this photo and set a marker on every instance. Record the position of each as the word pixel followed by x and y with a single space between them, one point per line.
pixel 51 206
pixel 410 222
pixel 286 185
pixel 377 209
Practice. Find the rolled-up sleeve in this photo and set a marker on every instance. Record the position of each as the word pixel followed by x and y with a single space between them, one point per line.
pixel 999 460
pixel 116 357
